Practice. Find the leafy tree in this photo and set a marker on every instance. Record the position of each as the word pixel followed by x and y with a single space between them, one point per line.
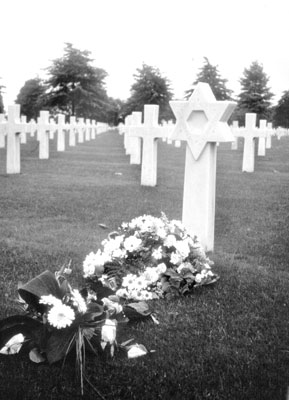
pixel 114 113
pixel 150 87
pixel 209 74
pixel 75 86
pixel 255 95
pixel 30 98
pixel 1 99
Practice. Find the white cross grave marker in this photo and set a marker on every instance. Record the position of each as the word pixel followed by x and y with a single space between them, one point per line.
pixel 235 128
pixel 61 128
pixel 201 122
pixel 269 136
pixel 121 128
pixel 149 131
pixel 134 141
pixel 93 129
pixel 71 136
pixel 32 127
pixel 53 127
pixel 13 140
pixel 23 136
pixel 262 139
pixel 87 130
pixel 43 127
pixel 249 134
pixel 80 128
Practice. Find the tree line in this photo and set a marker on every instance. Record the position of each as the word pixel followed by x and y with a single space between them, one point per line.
pixel 75 87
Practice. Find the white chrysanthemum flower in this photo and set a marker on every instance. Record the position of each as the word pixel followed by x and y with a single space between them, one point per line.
pixel 152 224
pixel 78 301
pixel 176 258
pixel 50 300
pixel 136 222
pixel 146 295
pixel 157 253
pixel 132 243
pixel 60 316
pixel 170 241
pixel 128 280
pixel 94 262
pixel 140 283
pixel 112 245
pixel 182 246
pixel 151 275
pixel 119 253
pixel 161 232
pixel 89 265
pixel 135 294
pixel 161 268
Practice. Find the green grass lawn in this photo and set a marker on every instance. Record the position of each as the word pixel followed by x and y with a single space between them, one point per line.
pixel 229 341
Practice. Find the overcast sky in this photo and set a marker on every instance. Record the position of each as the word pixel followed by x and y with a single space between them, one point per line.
pixel 172 35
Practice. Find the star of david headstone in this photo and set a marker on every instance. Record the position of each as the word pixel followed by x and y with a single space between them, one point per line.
pixel 202 119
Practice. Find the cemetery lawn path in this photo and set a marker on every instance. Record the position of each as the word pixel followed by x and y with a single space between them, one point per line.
pixel 229 341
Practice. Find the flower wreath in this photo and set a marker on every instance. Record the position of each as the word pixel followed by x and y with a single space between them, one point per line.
pixel 149 258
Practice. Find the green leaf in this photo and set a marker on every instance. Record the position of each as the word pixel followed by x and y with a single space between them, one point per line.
pixel 185 289
pixel 165 286
pixel 189 276
pixel 175 282
pixel 59 344
pixel 31 329
pixel 172 274
pixel 94 313
pixel 36 356
pixel 42 285
pixel 136 311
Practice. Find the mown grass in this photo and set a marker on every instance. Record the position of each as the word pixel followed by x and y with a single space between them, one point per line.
pixel 227 341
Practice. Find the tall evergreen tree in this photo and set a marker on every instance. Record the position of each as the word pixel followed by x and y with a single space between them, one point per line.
pixel 281 111
pixel 150 87
pixel 255 94
pixel 30 98
pixel 209 74
pixel 75 86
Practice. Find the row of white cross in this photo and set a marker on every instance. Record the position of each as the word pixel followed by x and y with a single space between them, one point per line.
pixel 15 128
pixel 134 131
pixel 201 122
